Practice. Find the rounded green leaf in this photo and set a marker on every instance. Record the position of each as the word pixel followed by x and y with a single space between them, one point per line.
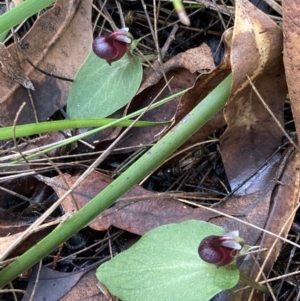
pixel 164 265
pixel 100 89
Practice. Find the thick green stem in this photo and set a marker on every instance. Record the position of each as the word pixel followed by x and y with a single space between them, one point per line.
pixel 192 122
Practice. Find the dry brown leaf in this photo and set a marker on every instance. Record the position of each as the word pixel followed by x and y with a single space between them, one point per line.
pixel 252 135
pixel 12 68
pixel 148 211
pixel 58 43
pixel 137 216
pixel 86 289
pixel 279 219
pixel 195 59
pixel 33 239
pixel 281 216
pixel 291 55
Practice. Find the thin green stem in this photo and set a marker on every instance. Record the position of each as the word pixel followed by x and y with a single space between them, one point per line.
pixel 253 284
pixel 183 17
pixel 59 125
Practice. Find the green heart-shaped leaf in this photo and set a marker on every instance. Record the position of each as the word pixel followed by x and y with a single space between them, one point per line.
pixel 164 265
pixel 100 89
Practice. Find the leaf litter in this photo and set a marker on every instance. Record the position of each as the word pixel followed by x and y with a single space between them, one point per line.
pixel 55 45
pixel 247 146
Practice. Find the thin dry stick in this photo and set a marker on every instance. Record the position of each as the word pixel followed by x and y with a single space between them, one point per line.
pixel 280 277
pixel 271 113
pixel 33 106
pixel 16 195
pixel 169 40
pixel 13 291
pixel 7 150
pixel 62 176
pixel 178 21
pixel 109 245
pixel 154 34
pixel 96 22
pixel 120 13
pixel 220 15
pixel 288 265
pixel 298 296
pixel 226 11
pixel 112 236
pixel 34 230
pixel 36 161
pixel 36 281
pixel 28 152
pixel 241 221
pixel 14 131
pixel 149 22
pixel 275 6
pixel 264 276
pixel 155 37
pixel 108 17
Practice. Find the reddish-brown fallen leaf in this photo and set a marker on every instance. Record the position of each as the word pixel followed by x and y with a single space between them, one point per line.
pixel 58 43
pixel 137 216
pixel 291 55
pixel 85 289
pixel 195 60
pixel 252 135
pixel 149 211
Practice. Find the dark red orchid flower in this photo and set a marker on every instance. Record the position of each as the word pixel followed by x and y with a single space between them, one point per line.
pixel 220 250
pixel 112 47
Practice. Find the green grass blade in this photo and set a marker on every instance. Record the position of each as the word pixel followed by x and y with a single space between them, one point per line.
pixel 94 131
pixel 59 125
pixel 21 13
